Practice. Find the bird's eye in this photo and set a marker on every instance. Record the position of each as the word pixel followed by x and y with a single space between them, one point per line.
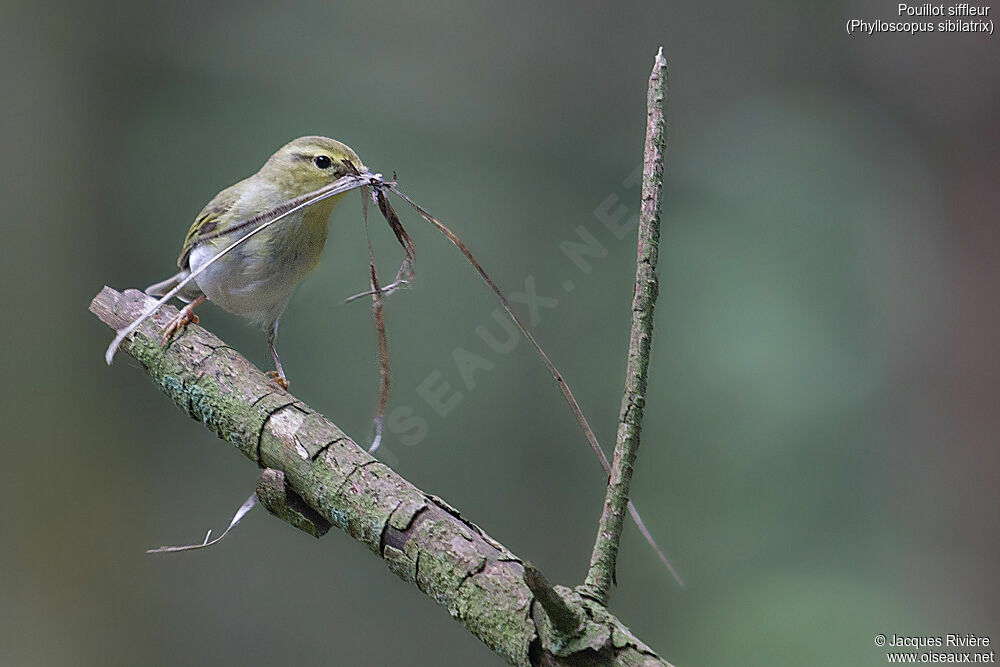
pixel 322 161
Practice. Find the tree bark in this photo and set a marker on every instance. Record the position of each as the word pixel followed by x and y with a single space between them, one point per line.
pixel 420 537
pixel 601 574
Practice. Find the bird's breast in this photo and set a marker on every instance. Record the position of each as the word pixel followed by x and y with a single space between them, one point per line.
pixel 256 278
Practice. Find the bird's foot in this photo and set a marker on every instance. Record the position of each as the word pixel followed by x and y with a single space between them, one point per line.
pixel 181 320
pixel 279 379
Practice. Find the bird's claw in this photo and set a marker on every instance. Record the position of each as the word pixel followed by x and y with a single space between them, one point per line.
pixel 180 321
pixel 279 379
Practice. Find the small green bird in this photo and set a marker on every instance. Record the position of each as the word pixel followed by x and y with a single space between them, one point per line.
pixel 257 278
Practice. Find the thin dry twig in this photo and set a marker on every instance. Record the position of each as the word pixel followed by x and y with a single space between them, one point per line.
pixel 556 374
pixel 378 311
pixel 263 221
pixel 247 505
pixel 378 184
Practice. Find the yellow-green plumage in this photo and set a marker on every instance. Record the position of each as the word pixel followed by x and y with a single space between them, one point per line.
pixel 257 278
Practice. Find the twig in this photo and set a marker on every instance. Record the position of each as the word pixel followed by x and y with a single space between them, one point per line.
pixel 247 505
pixel 574 407
pixel 378 311
pixel 473 576
pixel 262 222
pixel 602 561
pixel 565 618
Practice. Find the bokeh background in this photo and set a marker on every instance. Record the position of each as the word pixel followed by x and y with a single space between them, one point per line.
pixel 820 454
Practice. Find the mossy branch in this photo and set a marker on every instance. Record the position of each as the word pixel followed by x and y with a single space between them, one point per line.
pixel 330 479
pixel 602 561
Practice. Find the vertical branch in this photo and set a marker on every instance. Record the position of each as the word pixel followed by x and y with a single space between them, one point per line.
pixel 602 561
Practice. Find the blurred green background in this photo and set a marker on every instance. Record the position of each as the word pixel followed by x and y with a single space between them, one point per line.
pixel 820 454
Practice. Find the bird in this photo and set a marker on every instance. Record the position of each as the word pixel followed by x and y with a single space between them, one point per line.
pixel 256 279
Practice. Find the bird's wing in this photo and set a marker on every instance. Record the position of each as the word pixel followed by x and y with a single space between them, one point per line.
pixel 207 222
